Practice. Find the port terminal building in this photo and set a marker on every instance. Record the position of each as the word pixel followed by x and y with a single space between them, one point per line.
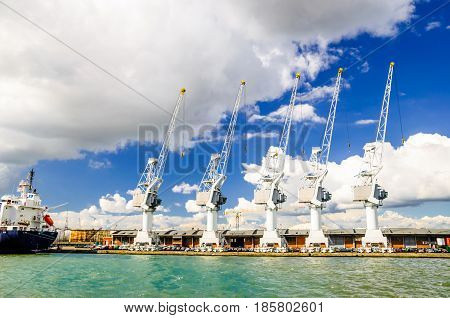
pixel 340 238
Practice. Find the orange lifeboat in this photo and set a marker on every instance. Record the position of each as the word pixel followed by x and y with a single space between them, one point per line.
pixel 48 220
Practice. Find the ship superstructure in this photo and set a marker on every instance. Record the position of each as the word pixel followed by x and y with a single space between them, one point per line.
pixel 25 224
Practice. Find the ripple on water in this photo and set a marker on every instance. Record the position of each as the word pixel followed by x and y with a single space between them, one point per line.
pixel 77 275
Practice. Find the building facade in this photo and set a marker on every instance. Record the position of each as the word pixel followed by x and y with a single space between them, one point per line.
pixel 295 239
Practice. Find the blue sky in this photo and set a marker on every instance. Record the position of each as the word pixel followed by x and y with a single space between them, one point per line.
pixel 420 86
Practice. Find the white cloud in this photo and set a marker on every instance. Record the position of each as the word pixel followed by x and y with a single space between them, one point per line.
pixel 115 204
pixel 251 135
pixel 407 185
pixel 356 219
pixel 364 67
pixel 432 25
pixel 162 208
pixel 366 121
pixel 92 218
pixel 192 207
pixel 252 217
pixel 185 188
pixel 301 113
pixel 66 106
pixel 317 93
pixel 99 164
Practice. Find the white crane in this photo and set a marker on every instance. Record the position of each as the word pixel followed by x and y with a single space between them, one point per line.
pixel 145 196
pixel 209 193
pixel 311 190
pixel 268 192
pixel 367 190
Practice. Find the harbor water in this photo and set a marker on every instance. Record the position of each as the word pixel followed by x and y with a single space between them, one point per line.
pixel 91 275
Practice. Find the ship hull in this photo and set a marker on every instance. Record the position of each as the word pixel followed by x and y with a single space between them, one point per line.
pixel 26 241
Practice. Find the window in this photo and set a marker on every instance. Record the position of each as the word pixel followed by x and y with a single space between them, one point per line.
pixel 338 241
pixel 410 241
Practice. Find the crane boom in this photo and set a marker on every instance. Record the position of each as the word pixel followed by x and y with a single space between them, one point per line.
pixel 382 123
pixel 217 166
pixel 145 195
pixel 328 135
pixel 284 139
pixel 311 190
pixel 267 191
pixel 274 162
pixel 373 152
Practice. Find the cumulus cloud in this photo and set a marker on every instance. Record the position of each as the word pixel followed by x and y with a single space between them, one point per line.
pixel 93 218
pixel 115 204
pixel 192 207
pixel 185 188
pixel 389 219
pixel 407 184
pixel 157 47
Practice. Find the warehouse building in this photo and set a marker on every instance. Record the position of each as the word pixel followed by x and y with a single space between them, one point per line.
pixel 89 236
pixel 343 238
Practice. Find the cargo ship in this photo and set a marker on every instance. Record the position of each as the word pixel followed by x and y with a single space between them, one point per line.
pixel 25 225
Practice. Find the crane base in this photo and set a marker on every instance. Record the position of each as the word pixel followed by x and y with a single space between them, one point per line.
pixel 143 238
pixel 374 237
pixel 316 237
pixel 270 238
pixel 209 238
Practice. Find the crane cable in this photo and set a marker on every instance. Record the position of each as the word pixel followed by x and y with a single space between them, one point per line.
pixel 398 107
pixel 245 133
pixel 346 126
pixel 344 109
pixel 302 150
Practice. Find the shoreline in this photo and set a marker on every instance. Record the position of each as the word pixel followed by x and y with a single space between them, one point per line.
pixel 256 254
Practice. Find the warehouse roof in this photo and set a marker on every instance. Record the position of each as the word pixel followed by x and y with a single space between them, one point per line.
pixel 293 232
pixel 412 231
pixel 125 233
pixel 243 233
pixel 345 231
pixel 287 232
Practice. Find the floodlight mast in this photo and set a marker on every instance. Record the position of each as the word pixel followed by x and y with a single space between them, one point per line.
pixel 268 192
pixel 209 193
pixel 145 196
pixel 367 189
pixel 311 190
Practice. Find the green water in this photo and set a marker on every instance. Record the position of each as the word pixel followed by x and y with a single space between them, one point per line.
pixel 84 275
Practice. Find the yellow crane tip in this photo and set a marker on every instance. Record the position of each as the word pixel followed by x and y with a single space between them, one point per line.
pixel 340 70
pixel 297 75
pixel 183 90
pixel 392 63
pixel 242 82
